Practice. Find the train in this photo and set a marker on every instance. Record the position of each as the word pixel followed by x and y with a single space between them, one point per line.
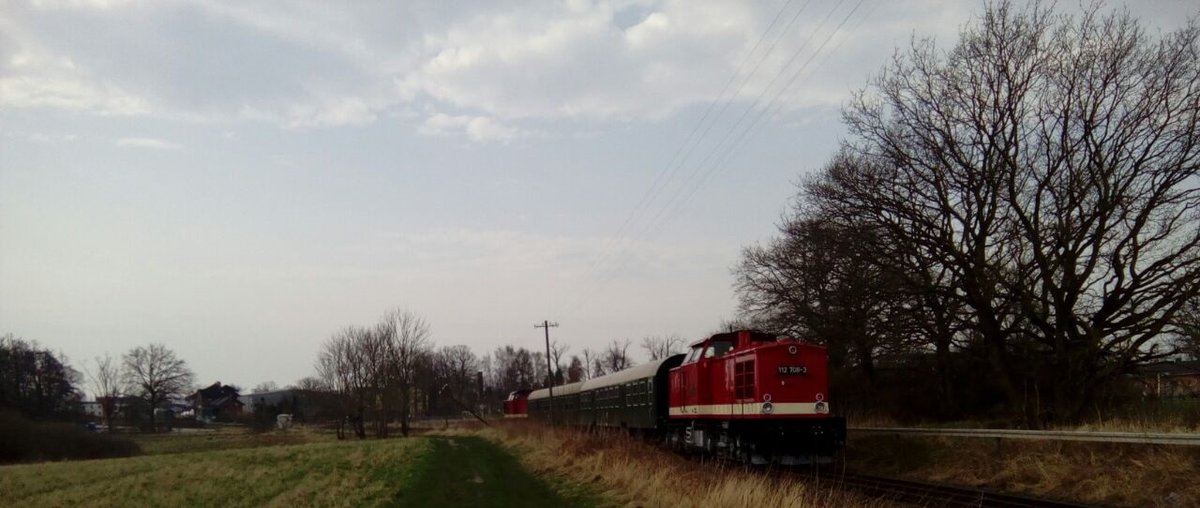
pixel 744 395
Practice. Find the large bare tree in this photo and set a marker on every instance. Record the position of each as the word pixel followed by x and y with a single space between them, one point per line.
pixel 1044 172
pixel 827 282
pixel 157 375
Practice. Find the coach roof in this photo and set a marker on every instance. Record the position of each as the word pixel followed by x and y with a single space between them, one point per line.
pixel 561 390
pixel 645 370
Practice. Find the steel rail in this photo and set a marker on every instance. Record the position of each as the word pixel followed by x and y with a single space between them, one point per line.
pixel 1161 438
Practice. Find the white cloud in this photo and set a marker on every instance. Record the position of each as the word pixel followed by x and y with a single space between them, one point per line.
pixel 338 112
pixel 479 129
pixel 574 61
pixel 152 143
pixel 77 4
pixel 33 77
pixel 351 64
pixel 68 94
pixel 39 137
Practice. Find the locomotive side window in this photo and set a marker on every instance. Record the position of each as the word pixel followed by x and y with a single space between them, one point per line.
pixel 693 354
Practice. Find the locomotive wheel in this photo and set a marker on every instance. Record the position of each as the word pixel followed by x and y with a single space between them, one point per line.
pixel 741 451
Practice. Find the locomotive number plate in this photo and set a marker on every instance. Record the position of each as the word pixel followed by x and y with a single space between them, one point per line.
pixel 791 369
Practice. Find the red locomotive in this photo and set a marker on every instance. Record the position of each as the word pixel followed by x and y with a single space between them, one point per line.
pixel 746 395
pixel 515 406
pixel 752 396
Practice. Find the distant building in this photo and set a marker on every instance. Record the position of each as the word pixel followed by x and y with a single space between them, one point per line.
pixel 92 409
pixel 216 402
pixel 304 405
pixel 279 400
pixel 1171 379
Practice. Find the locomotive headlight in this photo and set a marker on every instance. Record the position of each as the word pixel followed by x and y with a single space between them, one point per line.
pixel 821 407
pixel 768 408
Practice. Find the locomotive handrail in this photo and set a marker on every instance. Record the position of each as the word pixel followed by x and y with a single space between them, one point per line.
pixel 1166 438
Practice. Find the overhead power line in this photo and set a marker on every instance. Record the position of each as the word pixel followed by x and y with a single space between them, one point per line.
pixel 728 144
pixel 691 141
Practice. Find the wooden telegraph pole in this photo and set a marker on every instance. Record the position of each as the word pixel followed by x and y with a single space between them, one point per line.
pixel 549 371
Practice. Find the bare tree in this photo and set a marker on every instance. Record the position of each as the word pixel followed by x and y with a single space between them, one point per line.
pixel 576 371
pixel 616 356
pixel 455 369
pixel 658 347
pixel 737 323
pixel 311 384
pixel 590 359
pixel 1187 330
pixel 1046 167
pixel 342 365
pixel 107 384
pixel 557 350
pixel 157 376
pixel 599 368
pixel 34 380
pixel 827 283
pixel 265 386
pixel 407 336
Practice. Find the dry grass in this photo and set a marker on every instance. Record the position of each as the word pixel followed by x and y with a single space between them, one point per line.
pixel 1109 474
pixel 1125 424
pixel 639 474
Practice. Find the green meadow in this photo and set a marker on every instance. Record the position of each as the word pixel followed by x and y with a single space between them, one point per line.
pixel 417 471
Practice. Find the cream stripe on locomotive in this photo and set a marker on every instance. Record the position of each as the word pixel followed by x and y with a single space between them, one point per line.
pixel 750 409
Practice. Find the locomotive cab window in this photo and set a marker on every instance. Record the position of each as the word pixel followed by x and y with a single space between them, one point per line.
pixel 694 354
pixel 718 348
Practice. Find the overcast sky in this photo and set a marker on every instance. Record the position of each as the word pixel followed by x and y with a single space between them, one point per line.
pixel 241 181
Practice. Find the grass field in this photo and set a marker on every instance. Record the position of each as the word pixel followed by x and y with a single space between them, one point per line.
pixel 418 471
pixel 225 438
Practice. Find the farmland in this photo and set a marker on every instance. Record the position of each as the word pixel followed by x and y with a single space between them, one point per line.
pixel 419 471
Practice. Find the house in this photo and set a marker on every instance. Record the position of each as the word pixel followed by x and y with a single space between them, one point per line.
pixel 92 410
pixel 304 405
pixel 278 400
pixel 215 402
pixel 1180 378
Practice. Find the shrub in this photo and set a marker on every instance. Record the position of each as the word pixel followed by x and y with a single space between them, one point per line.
pixel 23 440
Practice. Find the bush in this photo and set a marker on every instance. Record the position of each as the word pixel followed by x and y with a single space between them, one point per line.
pixel 22 440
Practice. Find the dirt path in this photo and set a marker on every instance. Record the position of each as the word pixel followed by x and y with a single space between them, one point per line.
pixel 472 471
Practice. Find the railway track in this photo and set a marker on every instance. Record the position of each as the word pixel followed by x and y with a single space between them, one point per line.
pixel 936 494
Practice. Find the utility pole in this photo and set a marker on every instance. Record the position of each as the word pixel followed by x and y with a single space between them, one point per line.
pixel 549 372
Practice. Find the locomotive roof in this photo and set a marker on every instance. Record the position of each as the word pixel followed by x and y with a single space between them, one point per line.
pixel 566 389
pixel 642 371
pixel 756 336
